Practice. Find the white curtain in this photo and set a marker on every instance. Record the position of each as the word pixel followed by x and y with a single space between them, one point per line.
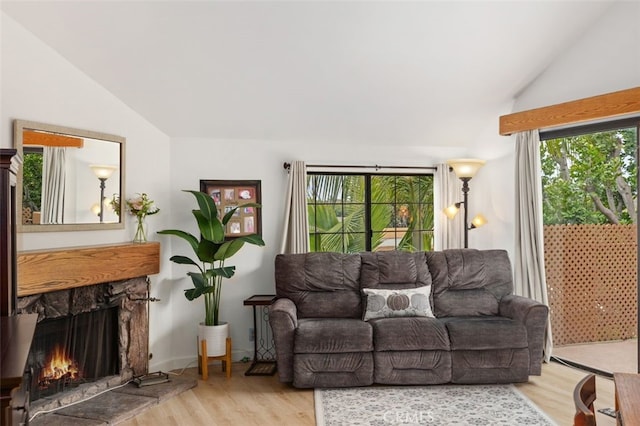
pixel 530 280
pixel 295 238
pixel 53 185
pixel 451 231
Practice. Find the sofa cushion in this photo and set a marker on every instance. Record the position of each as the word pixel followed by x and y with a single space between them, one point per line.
pixel 475 302
pixel 322 285
pixel 482 333
pixel 490 366
pixel 333 370
pixel 332 335
pixel 409 302
pixel 394 270
pixel 469 282
pixel 409 334
pixel 412 367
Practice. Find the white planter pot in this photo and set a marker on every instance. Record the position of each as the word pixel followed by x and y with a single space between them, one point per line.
pixel 216 337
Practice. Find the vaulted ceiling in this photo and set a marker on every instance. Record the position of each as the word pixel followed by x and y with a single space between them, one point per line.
pixel 387 72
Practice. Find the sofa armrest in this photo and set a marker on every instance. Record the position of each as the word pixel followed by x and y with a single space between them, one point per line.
pixel 534 315
pixel 283 319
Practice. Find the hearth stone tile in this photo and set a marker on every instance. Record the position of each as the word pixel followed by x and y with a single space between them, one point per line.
pixel 53 419
pixel 110 407
pixel 84 391
pixel 162 391
pixel 115 405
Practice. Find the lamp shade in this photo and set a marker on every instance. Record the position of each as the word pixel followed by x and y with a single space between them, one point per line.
pixel 95 209
pixel 478 221
pixel 465 167
pixel 451 211
pixel 103 171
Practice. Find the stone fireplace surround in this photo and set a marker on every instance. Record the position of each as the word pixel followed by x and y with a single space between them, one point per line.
pixel 87 279
pixel 130 296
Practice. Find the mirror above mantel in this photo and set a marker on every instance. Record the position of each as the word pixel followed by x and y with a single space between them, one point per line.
pixel 68 178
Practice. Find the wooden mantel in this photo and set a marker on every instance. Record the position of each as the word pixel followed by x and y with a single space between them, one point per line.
pixel 42 271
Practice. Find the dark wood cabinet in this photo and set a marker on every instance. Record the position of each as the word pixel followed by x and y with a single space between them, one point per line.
pixel 9 163
pixel 16 331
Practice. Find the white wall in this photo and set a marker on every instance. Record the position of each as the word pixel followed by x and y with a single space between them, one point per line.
pixel 38 84
pixel 606 59
pixel 263 160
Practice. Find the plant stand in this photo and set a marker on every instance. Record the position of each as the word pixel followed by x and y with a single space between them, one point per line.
pixel 203 359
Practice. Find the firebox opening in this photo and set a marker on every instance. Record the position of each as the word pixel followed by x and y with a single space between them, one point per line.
pixel 69 351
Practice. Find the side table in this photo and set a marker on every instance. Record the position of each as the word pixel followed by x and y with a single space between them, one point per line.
pixel 264 353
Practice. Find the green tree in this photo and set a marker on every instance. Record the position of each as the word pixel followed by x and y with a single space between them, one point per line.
pixel 32 180
pixel 336 211
pixel 411 202
pixel 590 178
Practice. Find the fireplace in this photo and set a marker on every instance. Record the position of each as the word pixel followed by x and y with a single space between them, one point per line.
pixel 86 337
pixel 65 283
pixel 69 351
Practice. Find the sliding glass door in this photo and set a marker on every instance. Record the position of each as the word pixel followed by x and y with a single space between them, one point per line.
pixel 590 182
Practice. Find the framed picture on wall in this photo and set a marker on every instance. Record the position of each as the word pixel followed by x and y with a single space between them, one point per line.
pixel 231 194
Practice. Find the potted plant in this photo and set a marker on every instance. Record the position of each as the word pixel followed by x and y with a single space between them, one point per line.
pixel 211 251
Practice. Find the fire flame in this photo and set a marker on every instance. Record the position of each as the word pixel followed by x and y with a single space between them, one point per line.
pixel 60 366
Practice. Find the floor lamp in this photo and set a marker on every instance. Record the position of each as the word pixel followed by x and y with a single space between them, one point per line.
pixel 103 173
pixel 465 169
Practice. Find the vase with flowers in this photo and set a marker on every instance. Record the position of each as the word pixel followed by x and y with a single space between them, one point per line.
pixel 141 207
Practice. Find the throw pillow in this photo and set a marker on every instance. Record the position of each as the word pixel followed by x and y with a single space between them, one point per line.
pixel 410 302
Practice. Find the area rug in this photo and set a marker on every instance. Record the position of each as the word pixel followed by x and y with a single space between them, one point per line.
pixel 427 405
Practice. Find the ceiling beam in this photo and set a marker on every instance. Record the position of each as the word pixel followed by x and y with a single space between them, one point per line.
pixel 30 137
pixel 587 109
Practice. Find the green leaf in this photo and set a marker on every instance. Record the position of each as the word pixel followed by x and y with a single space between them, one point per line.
pixel 254 239
pixel 183 260
pixel 229 248
pixel 230 213
pixel 207 251
pixel 192 293
pixel 198 279
pixel 192 240
pixel 225 272
pixel 210 229
pixel 206 204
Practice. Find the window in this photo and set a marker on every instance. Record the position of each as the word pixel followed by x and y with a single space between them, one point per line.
pixel 351 213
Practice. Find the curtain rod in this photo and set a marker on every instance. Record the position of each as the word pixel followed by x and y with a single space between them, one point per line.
pixel 287 166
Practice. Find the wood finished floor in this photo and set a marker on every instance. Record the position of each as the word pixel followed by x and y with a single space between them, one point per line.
pixel 263 400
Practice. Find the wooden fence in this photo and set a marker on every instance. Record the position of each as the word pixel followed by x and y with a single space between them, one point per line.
pixel 592 278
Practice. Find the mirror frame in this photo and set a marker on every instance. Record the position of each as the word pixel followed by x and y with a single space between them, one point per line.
pixel 18 128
